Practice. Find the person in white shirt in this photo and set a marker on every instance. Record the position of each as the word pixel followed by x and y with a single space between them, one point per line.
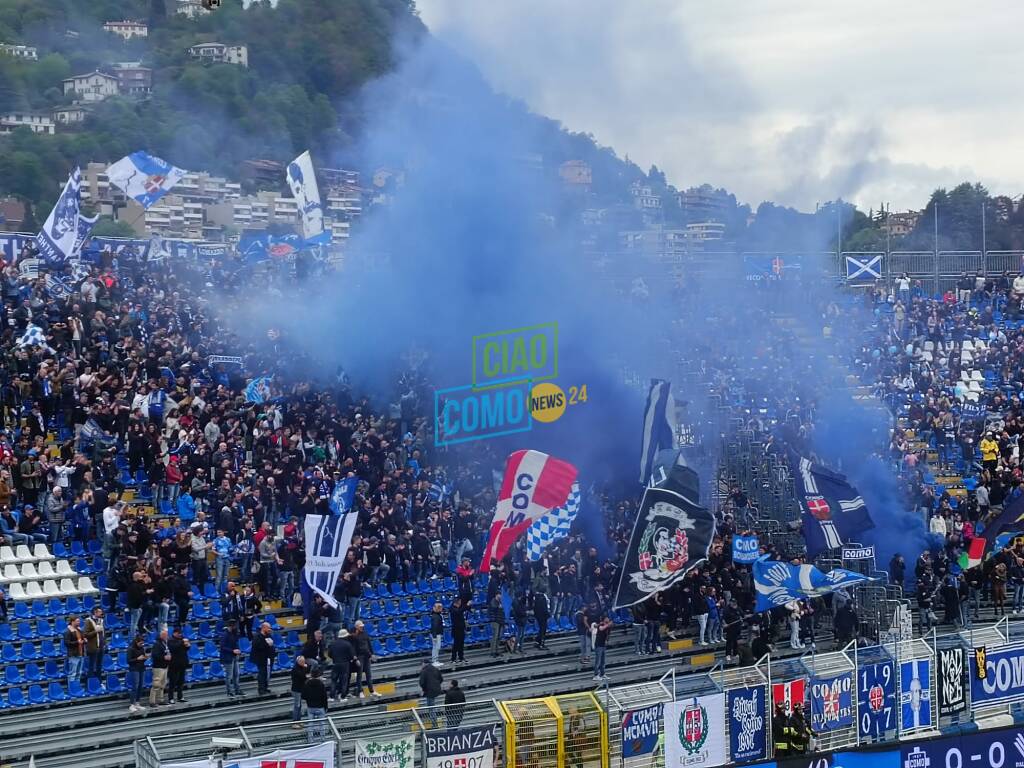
pixel 111 519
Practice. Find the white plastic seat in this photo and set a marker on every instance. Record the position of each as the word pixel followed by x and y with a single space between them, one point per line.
pixel 33 591
pixel 50 588
pixel 975 386
pixel 966 357
pixel 926 356
pixel 972 396
pixel 977 376
pixel 45 570
pixel 7 555
pixel 67 587
pixel 23 554
pixel 64 568
pixel 28 571
pixel 965 376
pixel 929 346
pixel 85 586
pixel 968 344
pixel 42 552
pixel 11 573
pixel 17 592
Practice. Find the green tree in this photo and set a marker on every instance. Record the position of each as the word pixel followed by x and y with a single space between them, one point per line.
pixel 107 227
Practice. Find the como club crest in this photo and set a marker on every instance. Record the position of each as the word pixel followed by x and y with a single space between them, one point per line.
pixel 693 728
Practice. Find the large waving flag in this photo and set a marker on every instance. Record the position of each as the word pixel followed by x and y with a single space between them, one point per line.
pixel 552 526
pixel 834 512
pixel 534 484
pixel 778 583
pixel 659 425
pixel 343 495
pixel 1010 520
pixel 302 183
pixel 144 177
pixel 327 541
pixel 56 242
pixel 85 225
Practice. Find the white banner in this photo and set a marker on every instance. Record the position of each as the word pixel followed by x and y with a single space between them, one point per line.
pixel 320 756
pixel 56 241
pixel 695 732
pixel 302 183
pixel 461 748
pixel 327 541
pixel 385 753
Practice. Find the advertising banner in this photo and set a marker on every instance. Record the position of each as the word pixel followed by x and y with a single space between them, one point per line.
pixel 915 694
pixel 694 732
pixel 640 731
pixel 744 549
pixel 385 753
pixel 996 675
pixel 320 756
pixel 748 718
pixel 951 671
pixel 831 702
pixel 460 747
pixel 876 699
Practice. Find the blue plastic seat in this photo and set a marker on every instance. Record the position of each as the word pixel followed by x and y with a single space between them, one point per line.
pixel 51 671
pixel 369 592
pixel 56 693
pixel 400 626
pixel 215 610
pixel 57 609
pixel 114 684
pixel 412 588
pixel 199 673
pixel 392 646
pixel 194 653
pixel 210 591
pixel 199 611
pixel 32 672
pixel 292 639
pixel 94 687
pixel 419 604
pixel 12 675
pixel 89 601
pixel 244 645
pixel 26 631
pixel 377 648
pixel 22 611
pixel 28 651
pixel 206 630
pixel 44 628
pixel 60 551
pixel 77 549
pixel 407 644
pixel 283 660
pixel 210 650
pixel 16 698
pixel 39 609
pixel 6 634
pixel 76 691
pixel 36 695
pixel 397 590
pixel 216 670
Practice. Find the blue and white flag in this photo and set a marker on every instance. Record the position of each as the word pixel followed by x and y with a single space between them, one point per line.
pixel 85 225
pixel 56 242
pixel 834 512
pixel 32 337
pixel 265 246
pixel 552 526
pixel 327 540
pixel 778 583
pixel 439 489
pixel 158 250
pixel 90 433
pixel 258 390
pixel 745 549
pixel 659 425
pixel 58 286
pixel 143 177
pixel 343 495
pixel 302 183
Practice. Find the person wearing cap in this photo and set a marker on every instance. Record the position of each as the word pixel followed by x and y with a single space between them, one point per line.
pixel 299 676
pixel 314 693
pixel 31 525
pixel 364 655
pixel 342 656
pixel 178 666
pixel 230 656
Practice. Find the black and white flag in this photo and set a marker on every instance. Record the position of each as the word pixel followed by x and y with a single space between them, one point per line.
pixel 952 681
pixel 659 425
pixel 327 541
pixel 671 535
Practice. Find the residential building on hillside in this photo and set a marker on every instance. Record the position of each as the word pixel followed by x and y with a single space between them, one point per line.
pixel 262 173
pixel 94 86
pixel 661 243
pixel 12 214
pixel 701 232
pixel 38 122
pixel 133 79
pixel 127 29
pixel 576 173
pixel 191 8
pixel 644 197
pixel 70 115
pixel 337 178
pixel 703 204
pixel 220 53
pixel 900 224
pixel 29 52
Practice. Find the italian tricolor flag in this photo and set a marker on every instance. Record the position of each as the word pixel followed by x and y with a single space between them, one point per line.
pixel 974 555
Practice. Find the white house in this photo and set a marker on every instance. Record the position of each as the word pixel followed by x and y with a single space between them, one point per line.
pixel 69 115
pixel 39 123
pixel 19 51
pixel 220 53
pixel 127 29
pixel 95 86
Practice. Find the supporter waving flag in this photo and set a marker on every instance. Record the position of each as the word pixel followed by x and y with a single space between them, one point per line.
pixel 552 526
pixel 327 541
pixel 834 512
pixel 534 484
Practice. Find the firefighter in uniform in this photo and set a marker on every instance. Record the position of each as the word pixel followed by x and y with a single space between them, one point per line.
pixel 799 732
pixel 780 731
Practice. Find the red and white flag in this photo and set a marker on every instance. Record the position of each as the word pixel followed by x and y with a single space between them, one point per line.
pixel 789 693
pixel 534 484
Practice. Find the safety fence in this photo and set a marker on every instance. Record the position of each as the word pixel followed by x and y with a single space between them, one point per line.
pixel 902 689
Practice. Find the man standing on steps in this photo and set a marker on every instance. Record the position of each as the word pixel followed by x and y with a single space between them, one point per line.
pixel 230 655
pixel 436 634
pixel 263 657
pixel 457 613
pixel 541 612
pixel 95 643
pixel 178 667
pixel 364 653
pixel 342 655
pixel 161 657
pixel 430 683
pixel 604 629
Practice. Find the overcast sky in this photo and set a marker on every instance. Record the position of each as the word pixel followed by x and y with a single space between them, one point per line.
pixel 793 101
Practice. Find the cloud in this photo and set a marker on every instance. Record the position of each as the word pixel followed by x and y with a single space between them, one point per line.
pixel 892 99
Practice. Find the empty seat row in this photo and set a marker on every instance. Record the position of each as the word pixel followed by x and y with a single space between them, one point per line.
pixel 33 572
pixel 22 554
pixel 33 590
